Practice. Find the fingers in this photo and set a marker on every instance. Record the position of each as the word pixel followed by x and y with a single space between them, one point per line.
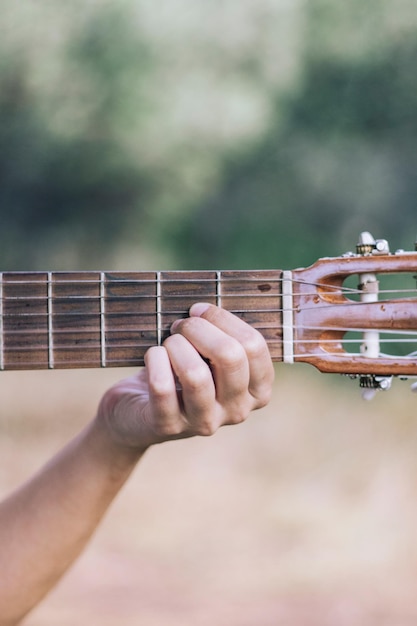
pixel 229 367
pixel 198 393
pixel 164 405
pixel 212 370
pixel 261 371
pixel 188 407
pixel 223 368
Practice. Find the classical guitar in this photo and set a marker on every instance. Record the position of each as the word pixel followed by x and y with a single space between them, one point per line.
pixel 314 315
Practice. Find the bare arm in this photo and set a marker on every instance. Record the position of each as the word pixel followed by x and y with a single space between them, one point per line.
pixel 212 370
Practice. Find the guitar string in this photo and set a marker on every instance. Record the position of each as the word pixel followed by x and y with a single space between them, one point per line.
pixel 333 289
pixel 136 360
pixel 95 343
pixel 181 312
pixel 111 285
pixel 151 327
pixel 166 281
pixel 122 297
pixel 193 297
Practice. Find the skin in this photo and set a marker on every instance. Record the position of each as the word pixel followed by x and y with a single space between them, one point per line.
pixel 213 370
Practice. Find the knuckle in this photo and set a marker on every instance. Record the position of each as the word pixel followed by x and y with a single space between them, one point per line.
pixel 262 392
pixel 206 428
pixel 231 355
pixel 238 417
pixel 263 398
pixel 254 344
pixel 195 379
pixel 238 411
pixel 160 388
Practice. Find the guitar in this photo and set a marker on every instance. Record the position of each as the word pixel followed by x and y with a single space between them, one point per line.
pixel 310 315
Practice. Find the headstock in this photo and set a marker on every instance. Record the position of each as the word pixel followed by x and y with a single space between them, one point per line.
pixel 365 329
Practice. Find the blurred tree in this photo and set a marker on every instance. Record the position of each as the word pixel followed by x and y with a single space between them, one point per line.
pixel 343 161
pixel 72 189
pixel 261 133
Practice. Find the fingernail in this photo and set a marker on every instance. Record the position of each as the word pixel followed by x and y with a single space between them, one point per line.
pixel 199 308
pixel 174 325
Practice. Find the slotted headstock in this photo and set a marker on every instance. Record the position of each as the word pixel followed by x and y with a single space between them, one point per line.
pixel 357 314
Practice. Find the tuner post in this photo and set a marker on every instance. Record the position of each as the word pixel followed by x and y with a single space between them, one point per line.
pixel 369 288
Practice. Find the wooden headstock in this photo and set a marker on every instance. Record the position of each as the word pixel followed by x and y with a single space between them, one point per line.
pixel 326 312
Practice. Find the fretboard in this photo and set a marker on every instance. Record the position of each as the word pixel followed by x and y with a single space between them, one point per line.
pixel 103 319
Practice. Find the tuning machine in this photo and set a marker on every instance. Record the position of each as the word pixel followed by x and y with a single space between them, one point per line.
pixel 367 245
pixel 370 384
pixel 368 287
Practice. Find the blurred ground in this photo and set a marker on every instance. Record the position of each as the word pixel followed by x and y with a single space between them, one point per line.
pixel 304 515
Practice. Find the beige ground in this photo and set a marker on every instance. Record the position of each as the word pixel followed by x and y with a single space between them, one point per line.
pixel 305 515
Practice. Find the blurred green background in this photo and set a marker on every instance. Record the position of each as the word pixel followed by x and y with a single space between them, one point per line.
pixel 191 134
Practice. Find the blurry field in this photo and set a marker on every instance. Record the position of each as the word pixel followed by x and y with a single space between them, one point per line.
pixel 305 515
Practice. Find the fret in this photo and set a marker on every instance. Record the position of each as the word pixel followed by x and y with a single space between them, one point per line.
pixel 77 309
pixel 179 290
pixel 131 325
pixel 260 293
pixel 25 336
pixel 158 310
pixel 50 324
pixel 102 320
pixel 1 324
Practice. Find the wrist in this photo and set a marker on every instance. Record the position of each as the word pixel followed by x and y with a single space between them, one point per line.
pixel 119 456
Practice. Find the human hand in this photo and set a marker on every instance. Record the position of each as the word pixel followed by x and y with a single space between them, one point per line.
pixel 213 370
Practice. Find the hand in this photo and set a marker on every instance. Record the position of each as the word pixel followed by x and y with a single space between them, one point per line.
pixel 212 370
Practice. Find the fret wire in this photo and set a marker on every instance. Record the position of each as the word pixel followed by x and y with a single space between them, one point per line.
pixel 102 321
pixel 50 327
pixel 158 309
pixel 1 324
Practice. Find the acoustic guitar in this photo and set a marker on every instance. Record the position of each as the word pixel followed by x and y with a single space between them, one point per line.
pixel 335 314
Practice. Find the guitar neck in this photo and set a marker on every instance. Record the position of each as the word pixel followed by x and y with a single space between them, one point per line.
pixel 101 319
pixel 110 319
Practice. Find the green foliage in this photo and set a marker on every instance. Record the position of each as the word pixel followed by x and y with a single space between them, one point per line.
pixel 71 188
pixel 256 134
pixel 343 161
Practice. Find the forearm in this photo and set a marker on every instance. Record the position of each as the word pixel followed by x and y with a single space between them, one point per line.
pixel 47 522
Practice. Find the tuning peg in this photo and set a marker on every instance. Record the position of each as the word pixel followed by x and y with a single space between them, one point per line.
pixel 368 394
pixel 370 384
pixel 365 244
pixel 368 245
